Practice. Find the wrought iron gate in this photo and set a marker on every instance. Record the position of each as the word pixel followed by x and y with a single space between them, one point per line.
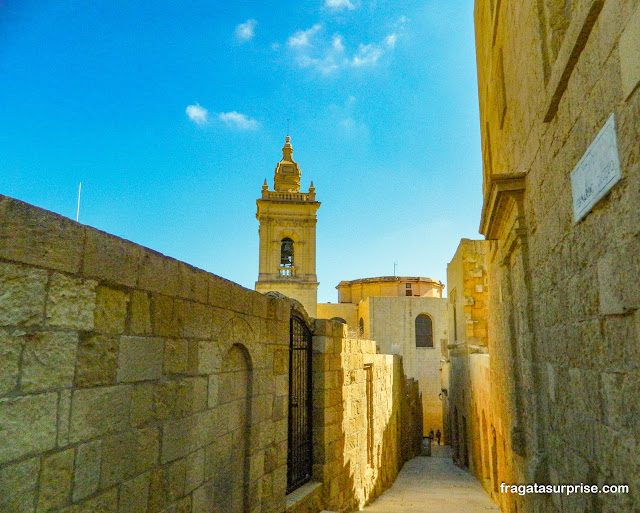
pixel 299 462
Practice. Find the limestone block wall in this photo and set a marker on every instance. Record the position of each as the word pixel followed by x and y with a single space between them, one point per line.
pixel 470 418
pixel 564 307
pixel 367 417
pixel 131 382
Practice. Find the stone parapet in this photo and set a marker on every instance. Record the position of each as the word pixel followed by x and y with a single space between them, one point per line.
pixel 130 381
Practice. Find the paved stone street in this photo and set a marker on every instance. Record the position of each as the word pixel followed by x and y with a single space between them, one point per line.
pixel 434 485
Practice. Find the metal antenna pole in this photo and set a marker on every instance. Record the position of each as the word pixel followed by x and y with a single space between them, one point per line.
pixel 78 211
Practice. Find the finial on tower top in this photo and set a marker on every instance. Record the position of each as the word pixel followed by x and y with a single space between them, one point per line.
pixel 265 187
pixel 287 150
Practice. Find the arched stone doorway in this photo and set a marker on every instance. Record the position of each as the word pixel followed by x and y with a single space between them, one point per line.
pixel 234 400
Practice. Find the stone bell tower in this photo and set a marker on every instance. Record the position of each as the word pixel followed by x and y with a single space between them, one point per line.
pixel 288 235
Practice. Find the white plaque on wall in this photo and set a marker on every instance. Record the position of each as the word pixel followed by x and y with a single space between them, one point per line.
pixel 597 172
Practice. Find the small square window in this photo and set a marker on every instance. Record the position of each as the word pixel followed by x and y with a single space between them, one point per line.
pixel 408 285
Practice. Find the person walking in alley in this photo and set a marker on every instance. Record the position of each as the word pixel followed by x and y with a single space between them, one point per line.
pixel 438 436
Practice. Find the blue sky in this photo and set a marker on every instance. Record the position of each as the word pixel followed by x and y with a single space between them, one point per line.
pixel 172 114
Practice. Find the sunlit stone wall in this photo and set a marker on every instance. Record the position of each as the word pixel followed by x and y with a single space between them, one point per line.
pixel 131 382
pixel 564 321
pixel 368 417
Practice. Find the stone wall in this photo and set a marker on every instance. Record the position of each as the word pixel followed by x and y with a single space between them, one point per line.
pixel 564 321
pixel 468 406
pixel 134 383
pixel 131 382
pixel 360 397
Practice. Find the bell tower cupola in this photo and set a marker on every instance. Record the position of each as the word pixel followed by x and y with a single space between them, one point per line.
pixel 287 175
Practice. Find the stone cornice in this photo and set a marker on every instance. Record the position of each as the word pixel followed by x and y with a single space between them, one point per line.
pixel 503 188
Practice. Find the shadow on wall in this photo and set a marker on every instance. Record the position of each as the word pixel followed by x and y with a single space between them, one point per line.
pixel 367 418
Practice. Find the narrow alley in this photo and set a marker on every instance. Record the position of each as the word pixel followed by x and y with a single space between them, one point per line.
pixel 434 485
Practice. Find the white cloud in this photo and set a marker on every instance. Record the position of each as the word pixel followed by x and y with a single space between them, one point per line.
pixel 197 114
pixel 337 44
pixel 314 50
pixel 367 55
pixel 339 5
pixel 239 121
pixel 245 31
pixel 275 46
pixel 390 40
pixel 303 38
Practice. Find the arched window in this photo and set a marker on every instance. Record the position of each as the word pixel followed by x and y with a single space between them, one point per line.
pixel 361 326
pixel 424 331
pixel 286 252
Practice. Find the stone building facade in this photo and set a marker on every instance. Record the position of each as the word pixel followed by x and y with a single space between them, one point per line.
pixel 560 121
pixel 134 383
pixel 467 388
pixel 287 217
pixel 405 316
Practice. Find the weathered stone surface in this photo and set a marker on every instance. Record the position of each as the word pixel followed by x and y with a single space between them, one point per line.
pixel 11 343
pixel 87 470
pixel 194 470
pixel 194 318
pixel 118 456
pixel 176 356
pixel 98 411
pixel 111 310
pixel 71 302
pixel 104 503
pixel 629 60
pixel 22 295
pixel 184 436
pixel 203 497
pixel 142 404
pixel 38 237
pixel 176 477
pixel 111 259
pixel 159 491
pixel 64 412
pixel 97 362
pixel 30 423
pixel 140 321
pixel 134 495
pixel 18 484
pixel 177 439
pixel 208 358
pixel 55 480
pixel 213 391
pixel 164 317
pixel 147 448
pixel 140 358
pixel 618 294
pixel 48 360
pixel 159 273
